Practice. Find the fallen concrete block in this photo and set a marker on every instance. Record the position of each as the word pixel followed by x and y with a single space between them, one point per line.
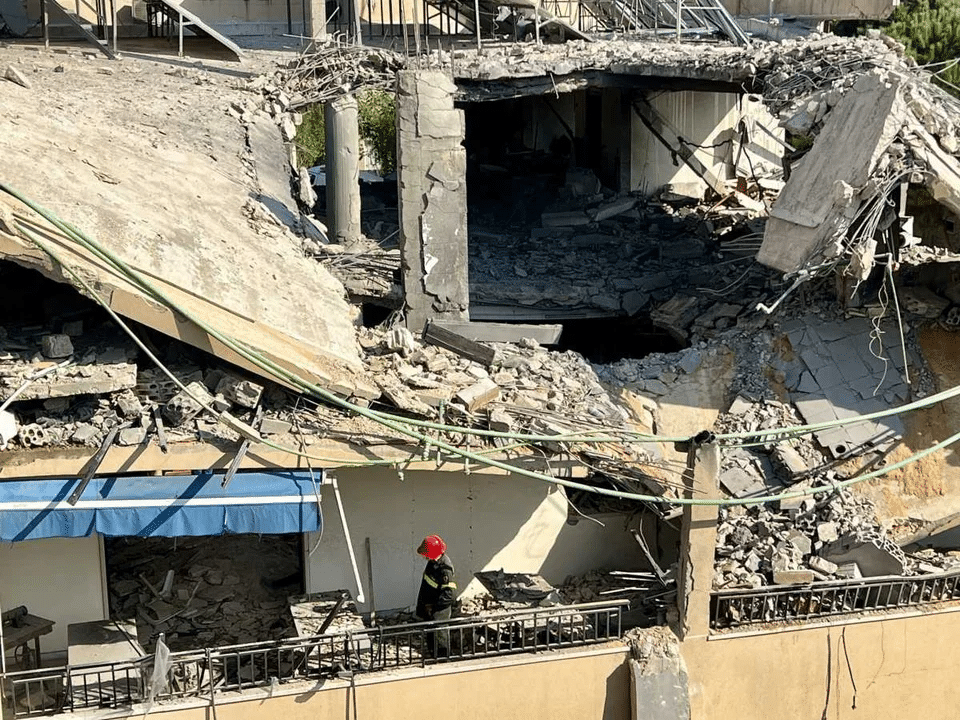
pixel 477 395
pixel 240 391
pixel 612 209
pixel 15 76
pixel 822 565
pixel 500 421
pixel 273 426
pixel 851 571
pixel 56 346
pixel 792 577
pixel 131 436
pixel 871 559
pixel 182 407
pixel 790 460
pixel 33 435
pixel 827 532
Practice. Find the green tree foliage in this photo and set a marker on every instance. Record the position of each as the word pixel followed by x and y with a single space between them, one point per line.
pixel 930 31
pixel 378 130
pixel 311 138
pixel 378 127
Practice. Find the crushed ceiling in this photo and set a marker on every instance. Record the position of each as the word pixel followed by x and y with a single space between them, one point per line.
pixel 161 169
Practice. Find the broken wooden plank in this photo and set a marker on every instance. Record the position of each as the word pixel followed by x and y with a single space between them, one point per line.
pixel 435 334
pixel 502 332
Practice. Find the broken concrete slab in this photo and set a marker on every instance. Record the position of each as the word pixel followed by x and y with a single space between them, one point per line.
pixel 815 204
pixel 502 332
pixel 871 555
pixel 183 225
pixel 88 379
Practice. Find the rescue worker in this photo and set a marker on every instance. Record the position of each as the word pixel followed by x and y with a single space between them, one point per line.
pixel 437 592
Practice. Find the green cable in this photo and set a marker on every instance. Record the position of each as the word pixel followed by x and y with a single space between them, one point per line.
pixel 281 372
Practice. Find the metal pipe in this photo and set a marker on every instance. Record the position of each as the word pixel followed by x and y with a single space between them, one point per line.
pixel 346 535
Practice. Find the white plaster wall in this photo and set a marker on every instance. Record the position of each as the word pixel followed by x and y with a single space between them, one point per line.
pixel 488 522
pixel 702 118
pixel 59 579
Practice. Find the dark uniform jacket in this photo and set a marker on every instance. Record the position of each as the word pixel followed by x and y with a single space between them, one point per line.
pixel 437 589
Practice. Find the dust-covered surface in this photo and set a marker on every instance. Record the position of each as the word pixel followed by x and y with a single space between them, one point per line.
pixel 169 166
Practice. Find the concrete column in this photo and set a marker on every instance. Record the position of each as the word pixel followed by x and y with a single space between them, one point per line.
pixel 343 169
pixel 316 19
pixel 431 177
pixel 698 541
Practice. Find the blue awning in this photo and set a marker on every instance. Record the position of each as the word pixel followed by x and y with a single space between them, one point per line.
pixel 169 506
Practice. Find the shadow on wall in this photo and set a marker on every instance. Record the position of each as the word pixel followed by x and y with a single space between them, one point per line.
pixel 489 522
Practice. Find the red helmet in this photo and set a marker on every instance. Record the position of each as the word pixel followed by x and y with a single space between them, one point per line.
pixel 432 547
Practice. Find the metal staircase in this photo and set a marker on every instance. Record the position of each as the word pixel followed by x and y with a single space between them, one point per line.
pixel 579 17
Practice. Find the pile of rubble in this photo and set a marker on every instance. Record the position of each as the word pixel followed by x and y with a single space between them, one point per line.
pixel 201 592
pixel 645 255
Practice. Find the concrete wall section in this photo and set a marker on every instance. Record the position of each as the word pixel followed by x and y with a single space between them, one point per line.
pixel 59 579
pixel 901 668
pixel 489 522
pixel 701 118
pixel 580 687
pixel 431 175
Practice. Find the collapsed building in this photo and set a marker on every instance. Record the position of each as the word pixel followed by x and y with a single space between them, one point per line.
pixel 657 338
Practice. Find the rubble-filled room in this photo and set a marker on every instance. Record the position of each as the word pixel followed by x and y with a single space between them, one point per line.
pixel 558 233
pixel 205 591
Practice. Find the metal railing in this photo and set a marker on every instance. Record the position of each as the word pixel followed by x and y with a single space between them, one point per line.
pixel 208 673
pixel 738 608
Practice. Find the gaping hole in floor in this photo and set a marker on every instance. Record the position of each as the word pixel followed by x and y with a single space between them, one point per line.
pixel 205 591
pixel 606 340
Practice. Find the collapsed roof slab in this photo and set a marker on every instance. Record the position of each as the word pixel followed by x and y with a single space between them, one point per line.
pixel 818 203
pixel 164 179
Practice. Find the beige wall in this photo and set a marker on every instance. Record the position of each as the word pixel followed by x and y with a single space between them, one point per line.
pixel 902 668
pixel 592 687
pixel 703 118
pixel 59 579
pixel 487 521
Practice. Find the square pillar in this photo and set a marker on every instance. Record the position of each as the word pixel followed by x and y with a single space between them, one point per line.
pixel 698 541
pixel 432 187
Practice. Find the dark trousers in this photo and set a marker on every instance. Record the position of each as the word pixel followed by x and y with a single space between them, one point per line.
pixel 438 641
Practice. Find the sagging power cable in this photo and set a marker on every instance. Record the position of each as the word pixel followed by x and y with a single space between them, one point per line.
pixel 405 426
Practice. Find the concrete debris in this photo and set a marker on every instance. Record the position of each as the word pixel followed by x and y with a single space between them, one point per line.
pixel 187 404
pixel 831 534
pixel 244 393
pixel 15 76
pixel 56 346
pixel 229 589
pixel 518 587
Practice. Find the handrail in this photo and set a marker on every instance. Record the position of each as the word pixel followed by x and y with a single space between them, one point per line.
pixel 209 673
pixel 784 603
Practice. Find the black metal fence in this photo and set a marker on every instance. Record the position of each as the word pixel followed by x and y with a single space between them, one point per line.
pixel 738 608
pixel 209 673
